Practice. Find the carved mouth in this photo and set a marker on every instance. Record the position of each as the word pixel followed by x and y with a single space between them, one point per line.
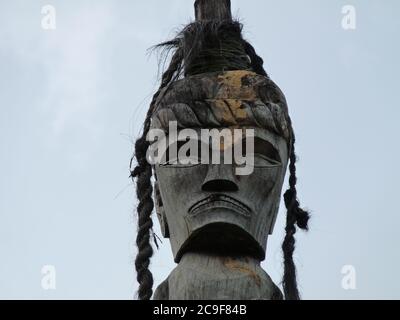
pixel 220 201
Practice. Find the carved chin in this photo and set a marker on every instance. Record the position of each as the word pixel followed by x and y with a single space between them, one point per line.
pixel 228 230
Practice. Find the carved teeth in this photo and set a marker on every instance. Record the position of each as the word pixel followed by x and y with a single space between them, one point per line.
pixel 215 201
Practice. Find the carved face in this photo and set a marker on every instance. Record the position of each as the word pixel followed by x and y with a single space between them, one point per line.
pixel 208 207
pixel 203 202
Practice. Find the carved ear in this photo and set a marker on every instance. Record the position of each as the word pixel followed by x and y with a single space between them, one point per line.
pixel 162 218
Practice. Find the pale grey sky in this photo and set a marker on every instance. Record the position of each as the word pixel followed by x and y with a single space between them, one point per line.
pixel 73 99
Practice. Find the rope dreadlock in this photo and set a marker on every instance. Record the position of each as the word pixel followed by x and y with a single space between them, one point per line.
pixel 256 61
pixel 295 214
pixel 210 46
pixel 144 189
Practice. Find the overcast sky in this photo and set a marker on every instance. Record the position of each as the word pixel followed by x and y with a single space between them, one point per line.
pixel 73 99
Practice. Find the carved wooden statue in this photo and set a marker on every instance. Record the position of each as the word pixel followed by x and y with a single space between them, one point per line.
pixel 218 222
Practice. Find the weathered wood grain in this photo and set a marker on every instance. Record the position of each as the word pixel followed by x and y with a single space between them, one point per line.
pixel 210 277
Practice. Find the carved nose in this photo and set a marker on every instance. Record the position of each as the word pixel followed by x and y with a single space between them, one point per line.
pixel 220 178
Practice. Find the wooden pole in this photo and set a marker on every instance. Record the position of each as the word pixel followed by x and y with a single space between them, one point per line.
pixel 213 10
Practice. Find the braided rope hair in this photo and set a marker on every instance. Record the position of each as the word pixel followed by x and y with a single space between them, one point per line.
pixel 143 171
pixel 144 189
pixel 295 214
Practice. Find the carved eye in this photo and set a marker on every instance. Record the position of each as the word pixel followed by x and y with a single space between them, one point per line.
pixel 264 155
pixel 260 160
pixel 188 161
pixel 176 157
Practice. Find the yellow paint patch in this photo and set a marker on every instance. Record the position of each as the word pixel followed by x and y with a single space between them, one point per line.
pixel 237 266
pixel 232 86
pixel 222 112
pixel 229 111
pixel 236 108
